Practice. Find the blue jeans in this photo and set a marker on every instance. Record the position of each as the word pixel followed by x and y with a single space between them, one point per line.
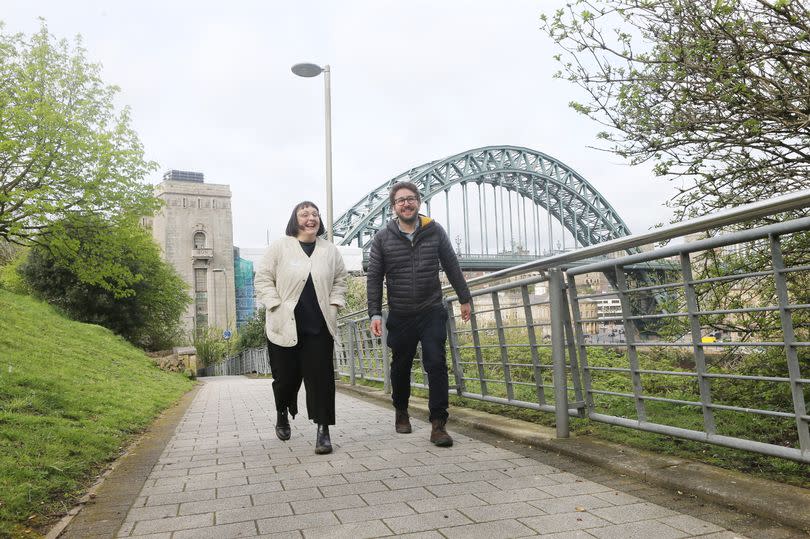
pixel 405 332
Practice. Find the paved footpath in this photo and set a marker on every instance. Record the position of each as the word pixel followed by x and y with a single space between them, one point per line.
pixel 225 474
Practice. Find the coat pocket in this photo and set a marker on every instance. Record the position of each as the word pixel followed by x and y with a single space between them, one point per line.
pixel 278 318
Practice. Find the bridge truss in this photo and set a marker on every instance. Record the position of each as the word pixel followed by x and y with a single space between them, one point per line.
pixel 485 193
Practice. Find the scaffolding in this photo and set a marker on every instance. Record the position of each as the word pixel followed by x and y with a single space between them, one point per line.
pixel 245 291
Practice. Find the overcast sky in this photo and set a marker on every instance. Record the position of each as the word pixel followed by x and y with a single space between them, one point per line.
pixel 210 88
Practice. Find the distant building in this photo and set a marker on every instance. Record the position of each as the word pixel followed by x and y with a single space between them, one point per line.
pixel 195 232
pixel 609 307
pixel 243 270
pixel 254 254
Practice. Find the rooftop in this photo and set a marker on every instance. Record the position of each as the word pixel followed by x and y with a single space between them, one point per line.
pixel 183 176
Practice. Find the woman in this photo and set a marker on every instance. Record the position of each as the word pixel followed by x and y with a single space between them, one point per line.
pixel 302 283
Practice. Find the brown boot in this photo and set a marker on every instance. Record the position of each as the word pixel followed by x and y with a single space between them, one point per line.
pixel 438 435
pixel 402 422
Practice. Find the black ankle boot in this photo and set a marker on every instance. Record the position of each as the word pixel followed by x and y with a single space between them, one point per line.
pixel 283 425
pixel 323 444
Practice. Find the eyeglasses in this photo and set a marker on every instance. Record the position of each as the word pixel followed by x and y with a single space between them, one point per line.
pixel 307 215
pixel 405 200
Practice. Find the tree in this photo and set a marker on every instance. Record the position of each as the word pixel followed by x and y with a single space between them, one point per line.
pixel 145 305
pixel 252 334
pixel 64 149
pixel 356 298
pixel 715 95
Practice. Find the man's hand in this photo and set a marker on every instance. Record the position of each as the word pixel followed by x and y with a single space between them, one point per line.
pixel 465 312
pixel 376 326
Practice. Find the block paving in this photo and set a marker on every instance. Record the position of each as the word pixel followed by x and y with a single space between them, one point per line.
pixel 225 474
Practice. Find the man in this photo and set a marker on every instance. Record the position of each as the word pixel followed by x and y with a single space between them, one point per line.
pixel 407 253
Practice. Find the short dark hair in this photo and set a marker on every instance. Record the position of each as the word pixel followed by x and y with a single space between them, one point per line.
pixel 292 225
pixel 410 186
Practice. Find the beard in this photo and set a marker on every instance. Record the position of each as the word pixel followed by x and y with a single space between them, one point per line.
pixel 409 220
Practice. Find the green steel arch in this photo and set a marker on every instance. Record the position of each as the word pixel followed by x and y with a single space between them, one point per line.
pixel 547 182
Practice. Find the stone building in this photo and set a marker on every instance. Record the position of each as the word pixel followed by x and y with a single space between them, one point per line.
pixel 195 232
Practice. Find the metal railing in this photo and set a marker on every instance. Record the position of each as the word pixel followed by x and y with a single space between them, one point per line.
pixel 710 341
pixel 252 360
pixel 711 345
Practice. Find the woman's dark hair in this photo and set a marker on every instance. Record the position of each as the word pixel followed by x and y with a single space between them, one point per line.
pixel 292 225
pixel 403 185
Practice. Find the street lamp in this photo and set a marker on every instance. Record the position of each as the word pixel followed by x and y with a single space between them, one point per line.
pixel 313 70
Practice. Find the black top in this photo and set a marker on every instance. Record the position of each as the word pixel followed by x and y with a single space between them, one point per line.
pixel 308 315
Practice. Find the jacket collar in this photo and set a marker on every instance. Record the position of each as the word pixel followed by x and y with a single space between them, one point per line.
pixel 424 222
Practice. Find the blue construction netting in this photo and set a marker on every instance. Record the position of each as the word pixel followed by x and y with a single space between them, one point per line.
pixel 245 292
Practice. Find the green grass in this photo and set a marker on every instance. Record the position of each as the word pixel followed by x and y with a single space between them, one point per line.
pixel 72 396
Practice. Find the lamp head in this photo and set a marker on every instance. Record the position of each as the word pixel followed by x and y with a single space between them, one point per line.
pixel 307 70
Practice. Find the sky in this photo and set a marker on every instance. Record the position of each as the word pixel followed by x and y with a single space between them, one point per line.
pixel 210 90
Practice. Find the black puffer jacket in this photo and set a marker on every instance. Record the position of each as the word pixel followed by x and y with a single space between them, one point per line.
pixel 411 269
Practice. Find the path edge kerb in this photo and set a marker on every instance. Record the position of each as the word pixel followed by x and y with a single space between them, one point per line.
pixel 119 485
pixel 780 502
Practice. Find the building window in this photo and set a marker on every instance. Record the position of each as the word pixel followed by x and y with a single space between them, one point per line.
pixel 201 311
pixel 199 240
pixel 200 280
pixel 201 298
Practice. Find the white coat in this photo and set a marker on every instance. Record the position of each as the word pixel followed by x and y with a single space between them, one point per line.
pixel 280 279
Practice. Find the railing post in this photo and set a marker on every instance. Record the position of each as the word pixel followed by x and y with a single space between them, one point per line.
pixel 502 346
pixel 556 308
pixel 789 334
pixel 455 355
pixel 352 351
pixel 580 372
pixel 538 372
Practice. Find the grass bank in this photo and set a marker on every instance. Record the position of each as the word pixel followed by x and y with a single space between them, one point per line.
pixel 72 395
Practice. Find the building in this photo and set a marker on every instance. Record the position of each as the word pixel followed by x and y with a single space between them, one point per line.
pixel 195 232
pixel 243 270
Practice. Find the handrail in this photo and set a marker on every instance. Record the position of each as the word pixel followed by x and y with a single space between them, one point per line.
pixel 739 214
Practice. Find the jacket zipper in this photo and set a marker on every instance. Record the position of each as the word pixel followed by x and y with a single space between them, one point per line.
pixel 413 267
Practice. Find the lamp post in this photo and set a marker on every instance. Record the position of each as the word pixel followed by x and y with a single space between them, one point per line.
pixel 313 70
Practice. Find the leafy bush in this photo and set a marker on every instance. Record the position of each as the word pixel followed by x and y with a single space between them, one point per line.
pixel 210 346
pixel 10 277
pixel 142 303
pixel 252 334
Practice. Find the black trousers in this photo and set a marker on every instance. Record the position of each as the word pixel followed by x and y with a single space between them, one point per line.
pixel 311 361
pixel 404 333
